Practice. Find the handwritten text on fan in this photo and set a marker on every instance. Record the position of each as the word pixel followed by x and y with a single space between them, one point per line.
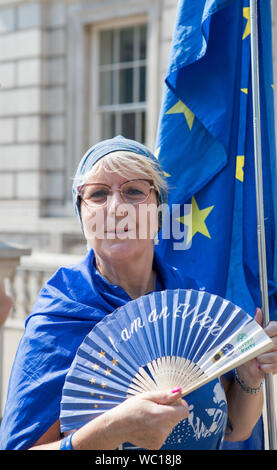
pixel 182 312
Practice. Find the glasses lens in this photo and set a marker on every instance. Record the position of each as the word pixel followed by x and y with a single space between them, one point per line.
pixel 95 194
pixel 135 192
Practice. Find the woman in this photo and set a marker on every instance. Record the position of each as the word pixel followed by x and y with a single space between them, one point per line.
pixel 109 190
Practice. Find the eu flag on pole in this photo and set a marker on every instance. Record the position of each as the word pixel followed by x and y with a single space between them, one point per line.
pixel 205 145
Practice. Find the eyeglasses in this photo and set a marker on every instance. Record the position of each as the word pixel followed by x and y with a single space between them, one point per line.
pixel 132 192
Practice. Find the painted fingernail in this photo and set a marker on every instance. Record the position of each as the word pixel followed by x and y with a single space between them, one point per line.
pixel 176 390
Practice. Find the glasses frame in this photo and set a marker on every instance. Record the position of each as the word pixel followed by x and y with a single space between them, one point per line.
pixel 118 189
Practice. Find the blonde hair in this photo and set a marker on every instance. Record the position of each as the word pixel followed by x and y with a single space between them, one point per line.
pixel 128 164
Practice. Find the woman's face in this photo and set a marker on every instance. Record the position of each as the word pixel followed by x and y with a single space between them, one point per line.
pixel 118 229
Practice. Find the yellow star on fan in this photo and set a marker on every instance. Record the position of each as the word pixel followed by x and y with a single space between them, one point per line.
pixel 196 220
pixel 115 363
pixel 102 353
pixel 103 385
pixel 95 366
pixel 108 371
pixel 181 108
pixel 246 15
pixel 92 380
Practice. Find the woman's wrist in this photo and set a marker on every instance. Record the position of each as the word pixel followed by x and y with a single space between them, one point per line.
pixel 102 433
pixel 249 384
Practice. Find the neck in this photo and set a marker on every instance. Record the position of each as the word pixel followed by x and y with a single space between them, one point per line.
pixel 136 277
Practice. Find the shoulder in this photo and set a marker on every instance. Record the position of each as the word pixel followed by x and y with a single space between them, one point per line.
pixel 66 293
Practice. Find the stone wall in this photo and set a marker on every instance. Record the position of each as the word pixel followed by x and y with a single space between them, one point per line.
pixel 32 104
pixel 44 109
pixel 33 124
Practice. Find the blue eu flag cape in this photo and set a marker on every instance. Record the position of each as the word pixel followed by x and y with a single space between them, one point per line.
pixel 205 146
pixel 67 308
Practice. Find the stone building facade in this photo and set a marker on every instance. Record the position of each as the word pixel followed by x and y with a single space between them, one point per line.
pixel 54 73
pixel 72 72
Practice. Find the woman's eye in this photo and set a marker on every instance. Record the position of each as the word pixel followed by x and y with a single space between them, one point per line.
pixel 133 191
pixel 99 194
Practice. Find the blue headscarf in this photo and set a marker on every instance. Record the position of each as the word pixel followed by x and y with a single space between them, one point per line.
pixel 98 151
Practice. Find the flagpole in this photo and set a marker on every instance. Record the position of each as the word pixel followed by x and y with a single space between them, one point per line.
pixel 269 385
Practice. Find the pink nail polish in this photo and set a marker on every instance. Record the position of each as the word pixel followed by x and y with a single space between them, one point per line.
pixel 176 390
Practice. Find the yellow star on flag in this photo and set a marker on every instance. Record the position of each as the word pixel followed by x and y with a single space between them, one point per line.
pixel 92 381
pixel 108 371
pixel 239 168
pixel 246 15
pixel 95 366
pixel 102 353
pixel 181 108
pixel 196 220
pixel 244 90
pixel 115 362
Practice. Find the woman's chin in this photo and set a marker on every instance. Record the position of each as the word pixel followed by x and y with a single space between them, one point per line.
pixel 120 248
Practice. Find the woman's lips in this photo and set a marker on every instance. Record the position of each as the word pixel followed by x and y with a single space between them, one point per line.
pixel 126 229
pixel 119 232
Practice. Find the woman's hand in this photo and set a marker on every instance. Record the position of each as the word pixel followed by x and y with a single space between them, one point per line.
pixel 150 417
pixel 144 420
pixel 253 371
pixel 244 408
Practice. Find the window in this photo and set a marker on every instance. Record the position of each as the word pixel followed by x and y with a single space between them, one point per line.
pixel 121 68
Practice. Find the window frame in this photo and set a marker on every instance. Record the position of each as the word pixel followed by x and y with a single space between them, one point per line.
pixel 95 111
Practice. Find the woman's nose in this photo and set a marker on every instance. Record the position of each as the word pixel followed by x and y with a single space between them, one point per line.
pixel 114 202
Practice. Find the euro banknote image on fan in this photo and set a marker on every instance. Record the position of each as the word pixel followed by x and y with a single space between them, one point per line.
pixel 159 341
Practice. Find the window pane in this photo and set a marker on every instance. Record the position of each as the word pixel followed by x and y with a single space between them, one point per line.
pixel 128 125
pixel 122 82
pixel 126 85
pixel 142 127
pixel 126 44
pixel 108 125
pixel 142 43
pixel 142 83
pixel 106 88
pixel 106 47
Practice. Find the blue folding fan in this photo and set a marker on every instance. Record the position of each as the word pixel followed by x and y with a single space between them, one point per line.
pixel 159 341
